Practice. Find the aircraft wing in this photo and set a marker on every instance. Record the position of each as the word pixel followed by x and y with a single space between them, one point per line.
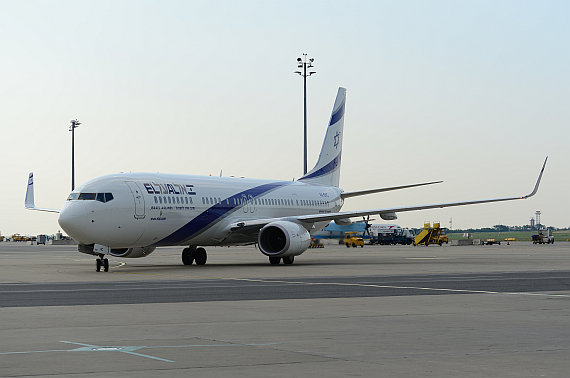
pixel 370 191
pixel 313 218
pixel 30 197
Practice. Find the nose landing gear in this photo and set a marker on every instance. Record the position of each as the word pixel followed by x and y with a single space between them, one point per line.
pixel 102 262
pixel 193 254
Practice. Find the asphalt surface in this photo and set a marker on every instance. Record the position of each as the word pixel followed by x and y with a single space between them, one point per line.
pixel 492 311
pixel 234 289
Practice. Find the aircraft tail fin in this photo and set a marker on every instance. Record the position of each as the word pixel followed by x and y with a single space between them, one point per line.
pixel 327 169
pixel 30 192
pixel 29 203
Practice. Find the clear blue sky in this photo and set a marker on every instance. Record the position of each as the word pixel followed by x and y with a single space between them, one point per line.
pixel 475 93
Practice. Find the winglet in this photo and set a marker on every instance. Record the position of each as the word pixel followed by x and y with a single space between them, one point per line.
pixel 30 192
pixel 537 181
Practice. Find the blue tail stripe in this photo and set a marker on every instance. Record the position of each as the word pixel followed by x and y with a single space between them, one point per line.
pixel 337 115
pixel 215 213
pixel 324 170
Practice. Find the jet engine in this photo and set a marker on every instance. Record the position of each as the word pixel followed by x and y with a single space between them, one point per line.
pixel 132 252
pixel 283 238
pixel 388 216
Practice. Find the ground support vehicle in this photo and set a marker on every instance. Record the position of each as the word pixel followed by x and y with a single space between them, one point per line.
pixel 491 242
pixel 543 237
pixel 41 239
pixel 353 239
pixel 316 243
pixel 430 235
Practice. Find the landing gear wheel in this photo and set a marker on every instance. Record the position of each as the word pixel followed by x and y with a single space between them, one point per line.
pixel 102 263
pixel 200 256
pixel 187 256
pixel 288 260
pixel 274 260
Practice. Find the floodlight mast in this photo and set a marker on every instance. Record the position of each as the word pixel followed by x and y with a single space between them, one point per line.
pixel 74 124
pixel 302 63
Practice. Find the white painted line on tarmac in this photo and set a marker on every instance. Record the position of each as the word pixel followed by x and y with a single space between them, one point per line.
pixel 465 291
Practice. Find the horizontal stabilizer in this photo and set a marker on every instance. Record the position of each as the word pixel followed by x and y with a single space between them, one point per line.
pixel 30 196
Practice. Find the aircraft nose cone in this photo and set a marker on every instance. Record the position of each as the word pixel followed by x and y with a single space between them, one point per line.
pixel 65 220
pixel 69 220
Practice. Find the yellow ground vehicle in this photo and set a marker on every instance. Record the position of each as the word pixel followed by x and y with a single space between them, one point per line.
pixel 443 239
pixel 353 239
pixel 316 243
pixel 431 235
pixel 18 237
pixel 492 242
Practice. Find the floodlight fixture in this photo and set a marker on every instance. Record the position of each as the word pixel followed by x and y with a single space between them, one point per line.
pixel 304 64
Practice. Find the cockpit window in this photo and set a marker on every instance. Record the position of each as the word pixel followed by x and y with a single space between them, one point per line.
pixel 87 196
pixel 101 197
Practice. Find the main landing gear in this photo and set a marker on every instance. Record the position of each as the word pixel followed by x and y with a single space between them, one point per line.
pixel 193 254
pixel 287 260
pixel 102 262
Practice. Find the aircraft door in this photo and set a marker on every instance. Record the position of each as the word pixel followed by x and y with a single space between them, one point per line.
pixel 138 198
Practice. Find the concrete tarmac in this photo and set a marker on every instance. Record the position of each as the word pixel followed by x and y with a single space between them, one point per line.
pixel 476 311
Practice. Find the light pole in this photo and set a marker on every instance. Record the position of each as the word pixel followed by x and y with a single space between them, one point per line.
pixel 302 63
pixel 74 123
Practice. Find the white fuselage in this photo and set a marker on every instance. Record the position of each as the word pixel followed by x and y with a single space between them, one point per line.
pixel 160 210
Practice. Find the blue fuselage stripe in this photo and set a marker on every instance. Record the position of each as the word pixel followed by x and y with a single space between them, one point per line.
pixel 215 213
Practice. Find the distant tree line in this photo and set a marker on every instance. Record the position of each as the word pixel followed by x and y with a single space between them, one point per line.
pixel 504 228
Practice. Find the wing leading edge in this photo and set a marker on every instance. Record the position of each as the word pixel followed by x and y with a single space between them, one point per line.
pixel 313 218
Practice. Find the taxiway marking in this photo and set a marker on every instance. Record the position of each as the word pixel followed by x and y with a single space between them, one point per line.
pixel 466 291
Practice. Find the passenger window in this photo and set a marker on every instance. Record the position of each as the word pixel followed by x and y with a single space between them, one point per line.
pixel 169 200
pixel 155 199
pixel 190 199
pixel 186 199
pixel 160 199
pixel 178 200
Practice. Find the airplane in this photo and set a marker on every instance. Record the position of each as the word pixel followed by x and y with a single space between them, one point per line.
pixel 129 215
pixel 367 229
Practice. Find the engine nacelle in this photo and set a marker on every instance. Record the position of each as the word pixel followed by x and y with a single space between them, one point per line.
pixel 283 238
pixel 343 221
pixel 388 216
pixel 132 252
